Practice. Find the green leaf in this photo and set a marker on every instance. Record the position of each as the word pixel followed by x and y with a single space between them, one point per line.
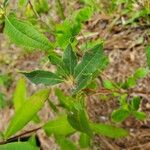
pixel 132 80
pixel 148 54
pixel 139 115
pixel 141 73
pixel 32 140
pixel 108 84
pixel 2 100
pixel 65 144
pixel 65 101
pixel 129 83
pixel 18 146
pixel 84 140
pixel 82 83
pixel 78 120
pixel 43 77
pixel 22 2
pixel 135 103
pixel 66 31
pixel 58 126
pixel 92 61
pixel 120 115
pixel 52 106
pixel 108 130
pixel 42 6
pixel 27 112
pixel 56 60
pixel 123 100
pixel 83 14
pixel 19 94
pixel 69 59
pixel 5 2
pixel 24 34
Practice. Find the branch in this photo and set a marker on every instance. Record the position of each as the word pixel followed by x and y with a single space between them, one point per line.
pixel 20 135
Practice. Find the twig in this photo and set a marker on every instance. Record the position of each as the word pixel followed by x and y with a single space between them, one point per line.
pixel 34 11
pixel 20 135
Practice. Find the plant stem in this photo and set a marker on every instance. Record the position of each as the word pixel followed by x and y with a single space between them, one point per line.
pixel 20 135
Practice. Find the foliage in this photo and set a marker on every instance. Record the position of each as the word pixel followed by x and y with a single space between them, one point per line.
pixel 79 73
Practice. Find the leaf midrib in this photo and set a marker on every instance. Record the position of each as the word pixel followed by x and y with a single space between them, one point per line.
pixel 86 65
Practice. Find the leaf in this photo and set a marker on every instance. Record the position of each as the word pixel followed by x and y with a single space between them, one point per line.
pixel 84 140
pixel 92 61
pixel 83 14
pixel 120 115
pixel 42 6
pixel 32 140
pixel 129 83
pixel 135 103
pixel 139 115
pixel 108 130
pixel 69 59
pixel 2 100
pixel 19 94
pixel 79 121
pixel 65 144
pixel 22 2
pixel 82 83
pixel 147 50
pixel 57 61
pixel 65 101
pixel 43 77
pixel 141 73
pixel 108 84
pixel 5 2
pixel 66 31
pixel 24 34
pixel 18 146
pixel 27 112
pixel 52 106
pixel 58 126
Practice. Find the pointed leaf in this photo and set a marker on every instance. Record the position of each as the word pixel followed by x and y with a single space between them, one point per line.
pixel 19 94
pixel 27 112
pixel 65 144
pixel 43 77
pixel 65 101
pixel 82 83
pixel 56 60
pixel 58 126
pixel 24 34
pixel 108 130
pixel 79 121
pixel 69 59
pixel 92 61
pixel 84 140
